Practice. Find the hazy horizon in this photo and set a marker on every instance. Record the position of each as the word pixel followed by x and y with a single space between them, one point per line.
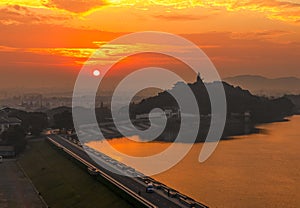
pixel 46 44
pixel 54 88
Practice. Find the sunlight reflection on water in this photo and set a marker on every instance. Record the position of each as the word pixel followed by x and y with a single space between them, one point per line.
pixel 259 170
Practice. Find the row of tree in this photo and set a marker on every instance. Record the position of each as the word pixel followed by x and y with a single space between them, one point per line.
pixel 32 123
pixel 14 136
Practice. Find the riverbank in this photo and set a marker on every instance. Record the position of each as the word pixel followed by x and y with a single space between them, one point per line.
pixel 62 183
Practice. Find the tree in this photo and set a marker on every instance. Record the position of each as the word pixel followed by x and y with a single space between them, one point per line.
pixel 36 122
pixel 14 136
pixel 33 122
pixel 63 120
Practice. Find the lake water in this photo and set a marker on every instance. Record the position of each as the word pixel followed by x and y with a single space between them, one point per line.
pixel 259 170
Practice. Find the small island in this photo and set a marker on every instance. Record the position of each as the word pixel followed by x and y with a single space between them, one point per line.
pixel 244 110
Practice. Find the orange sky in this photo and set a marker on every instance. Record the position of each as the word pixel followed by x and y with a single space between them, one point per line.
pixel 43 43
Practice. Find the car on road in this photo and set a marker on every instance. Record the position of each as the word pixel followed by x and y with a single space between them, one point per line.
pixel 150 188
pixel 93 171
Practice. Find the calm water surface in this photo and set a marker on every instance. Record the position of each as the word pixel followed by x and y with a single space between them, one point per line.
pixel 259 170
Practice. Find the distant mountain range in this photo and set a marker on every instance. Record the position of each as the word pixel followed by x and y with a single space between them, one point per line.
pixel 265 86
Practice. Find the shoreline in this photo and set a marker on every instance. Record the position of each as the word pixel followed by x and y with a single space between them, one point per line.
pixel 238 129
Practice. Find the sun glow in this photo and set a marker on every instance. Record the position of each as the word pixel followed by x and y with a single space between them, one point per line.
pixel 96 73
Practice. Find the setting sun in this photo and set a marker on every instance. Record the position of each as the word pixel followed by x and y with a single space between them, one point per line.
pixel 96 72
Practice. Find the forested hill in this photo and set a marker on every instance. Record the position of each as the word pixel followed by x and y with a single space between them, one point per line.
pixel 239 101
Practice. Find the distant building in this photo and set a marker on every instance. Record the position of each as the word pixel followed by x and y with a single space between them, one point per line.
pixel 6 122
pixel 31 101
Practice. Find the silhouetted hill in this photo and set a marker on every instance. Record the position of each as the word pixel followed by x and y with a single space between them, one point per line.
pixel 244 110
pixel 264 86
pixel 239 100
pixel 296 101
pixel 57 110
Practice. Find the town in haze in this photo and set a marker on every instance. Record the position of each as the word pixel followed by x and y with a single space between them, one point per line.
pixel 155 104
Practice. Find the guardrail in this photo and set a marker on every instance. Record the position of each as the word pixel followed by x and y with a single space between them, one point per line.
pixel 183 199
pixel 105 176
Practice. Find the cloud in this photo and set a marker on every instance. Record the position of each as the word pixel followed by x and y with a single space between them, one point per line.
pixel 256 52
pixel 273 9
pixel 181 17
pixel 76 6
pixel 232 53
pixel 283 10
pixel 15 15
pixel 7 49
pixel 259 35
pixel 66 52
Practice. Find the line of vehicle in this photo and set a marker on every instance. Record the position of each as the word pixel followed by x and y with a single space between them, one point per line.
pixel 107 177
pixel 138 177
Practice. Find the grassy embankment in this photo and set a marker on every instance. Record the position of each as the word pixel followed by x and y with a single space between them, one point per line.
pixel 64 184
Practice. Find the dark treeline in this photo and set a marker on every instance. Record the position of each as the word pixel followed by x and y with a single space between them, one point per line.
pixel 238 101
pixel 244 110
pixel 14 136
pixel 32 122
pixel 62 118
